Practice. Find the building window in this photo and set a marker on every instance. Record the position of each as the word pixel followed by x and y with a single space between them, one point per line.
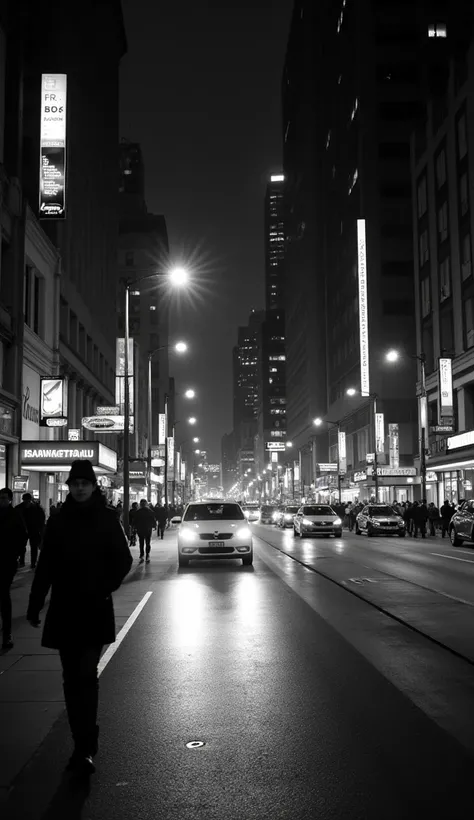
pixel 354 109
pixel 444 279
pixel 443 222
pixel 425 291
pixel 441 169
pixel 469 322
pixel 466 267
pixel 437 30
pixel 422 197
pixel 447 330
pixel 462 136
pixel 464 194
pixel 424 248
pixel 129 259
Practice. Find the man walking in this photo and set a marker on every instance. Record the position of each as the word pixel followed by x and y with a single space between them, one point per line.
pixel 420 517
pixel 85 557
pixel 144 520
pixel 433 517
pixel 13 537
pixel 161 515
pixel 446 513
pixel 34 519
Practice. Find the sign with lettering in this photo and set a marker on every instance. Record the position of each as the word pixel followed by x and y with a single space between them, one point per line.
pixel 363 309
pixel 327 468
pixel 445 392
pixel 57 456
pixel 107 424
pixel 52 189
pixel 462 440
pixel 108 411
pixel 30 421
pixel 360 475
pixel 74 435
pixel 392 471
pixel 276 446
pixel 162 419
pixel 53 399
pixel 379 433
pixel 20 483
pixel 394 445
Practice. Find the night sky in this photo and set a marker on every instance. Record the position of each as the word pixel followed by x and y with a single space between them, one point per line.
pixel 200 90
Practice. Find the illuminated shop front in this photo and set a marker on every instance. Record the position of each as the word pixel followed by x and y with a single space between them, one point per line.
pixel 394 484
pixel 453 466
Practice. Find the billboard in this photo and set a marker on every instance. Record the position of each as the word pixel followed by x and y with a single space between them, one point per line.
pixel 341 452
pixel 53 401
pixel 170 454
pixel 363 309
pixel 379 433
pixel 52 187
pixel 107 424
pixel 394 440
pixel 162 428
pixel 445 392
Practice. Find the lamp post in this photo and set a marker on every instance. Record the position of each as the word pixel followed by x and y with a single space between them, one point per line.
pixel 178 277
pixel 394 356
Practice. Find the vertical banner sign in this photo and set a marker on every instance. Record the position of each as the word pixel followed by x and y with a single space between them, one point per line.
pixel 379 433
pixel 120 375
pixel 52 188
pixel 394 437
pixel 342 454
pixel 445 393
pixel 363 309
pixel 161 428
pixel 177 470
pixel 170 456
pixel 183 471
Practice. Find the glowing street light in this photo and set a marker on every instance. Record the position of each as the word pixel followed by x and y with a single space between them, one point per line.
pixel 317 422
pixel 179 277
pixel 289 444
pixel 198 452
pixel 190 394
pixel 351 391
pixel 180 347
pixel 392 356
pixel 196 439
pixel 192 420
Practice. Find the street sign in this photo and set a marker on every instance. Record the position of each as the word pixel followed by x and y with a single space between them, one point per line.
pixel 442 428
pixel 73 435
pixel 56 422
pixel 106 424
pixel 108 411
pixel 275 445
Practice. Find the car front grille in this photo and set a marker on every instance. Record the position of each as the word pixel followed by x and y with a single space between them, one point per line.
pixel 215 550
pixel 211 536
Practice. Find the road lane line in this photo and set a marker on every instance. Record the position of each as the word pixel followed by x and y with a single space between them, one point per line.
pixel 108 655
pixel 452 558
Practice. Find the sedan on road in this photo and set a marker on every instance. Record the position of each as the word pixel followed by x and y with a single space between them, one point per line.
pixel 214 530
pixel 461 526
pixel 317 519
pixel 287 516
pixel 379 519
pixel 266 514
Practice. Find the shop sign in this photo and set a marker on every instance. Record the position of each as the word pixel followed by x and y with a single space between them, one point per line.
pixel 439 446
pixel 274 458
pixel 20 483
pixel 394 444
pixel 392 471
pixel 74 435
pixel 52 193
pixel 183 471
pixel 170 441
pixel 341 452
pixel 161 428
pixel 360 475
pixel 370 458
pixel 327 468
pixel 137 471
pixel 30 421
pixel 108 411
pixel 379 433
pixel 158 452
pixel 107 458
pixel 53 399
pixel 431 476
pixel 461 440
pixel 363 309
pixel 107 424
pixel 61 454
pixel 56 422
pixel 157 462
pixel 445 392
pixel 276 446
pixel 445 428
pixel 157 479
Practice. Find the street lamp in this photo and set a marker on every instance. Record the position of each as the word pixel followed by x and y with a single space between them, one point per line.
pixel 196 439
pixel 192 420
pixel 190 394
pixel 351 391
pixel 177 277
pixel 394 356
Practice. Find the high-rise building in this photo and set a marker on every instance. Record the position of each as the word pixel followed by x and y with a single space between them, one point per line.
pixel 246 390
pixel 274 242
pixel 347 158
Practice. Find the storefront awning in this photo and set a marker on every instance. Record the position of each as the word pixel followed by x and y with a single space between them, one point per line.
pixel 57 456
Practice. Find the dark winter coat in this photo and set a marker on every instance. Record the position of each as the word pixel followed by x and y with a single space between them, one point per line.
pixel 13 537
pixel 420 514
pixel 85 558
pixel 144 520
pixel 34 518
pixel 161 515
pixel 446 512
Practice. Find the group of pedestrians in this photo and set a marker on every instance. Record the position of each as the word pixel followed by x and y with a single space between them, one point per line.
pixel 419 516
pixel 146 517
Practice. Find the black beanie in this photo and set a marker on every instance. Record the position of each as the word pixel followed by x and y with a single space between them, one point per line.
pixel 82 468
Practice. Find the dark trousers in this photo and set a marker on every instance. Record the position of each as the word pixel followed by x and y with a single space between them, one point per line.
pixel 444 526
pixel 432 526
pixel 81 693
pixel 161 529
pixel 6 580
pixel 421 527
pixel 144 538
pixel 35 543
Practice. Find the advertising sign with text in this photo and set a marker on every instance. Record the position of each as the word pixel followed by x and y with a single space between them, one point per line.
pixel 379 433
pixel 161 428
pixel 342 455
pixel 445 392
pixel 52 188
pixel 394 438
pixel 363 309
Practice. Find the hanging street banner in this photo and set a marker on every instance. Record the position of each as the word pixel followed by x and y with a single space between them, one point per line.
pixel 120 375
pixel 342 455
pixel 52 188
pixel 379 433
pixel 53 402
pixel 161 428
pixel 445 393
pixel 394 439
pixel 363 309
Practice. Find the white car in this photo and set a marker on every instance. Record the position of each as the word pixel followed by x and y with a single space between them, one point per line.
pixel 317 519
pixel 214 530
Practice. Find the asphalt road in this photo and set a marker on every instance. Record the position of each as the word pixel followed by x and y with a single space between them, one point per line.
pixel 310 702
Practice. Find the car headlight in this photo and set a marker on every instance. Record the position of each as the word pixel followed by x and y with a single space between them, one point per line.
pixel 306 522
pixel 288 516
pixel 375 522
pixel 275 516
pixel 337 522
pixel 244 532
pixel 400 520
pixel 246 513
pixel 188 535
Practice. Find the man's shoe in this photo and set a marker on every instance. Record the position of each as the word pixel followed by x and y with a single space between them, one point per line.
pixel 141 559
pixel 147 560
pixel 7 643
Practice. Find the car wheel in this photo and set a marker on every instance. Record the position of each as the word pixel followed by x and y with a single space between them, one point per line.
pixel 357 530
pixel 183 562
pixel 455 540
pixel 338 534
pixel 247 561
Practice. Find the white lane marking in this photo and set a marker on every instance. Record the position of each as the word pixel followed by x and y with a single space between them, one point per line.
pixel 452 558
pixel 108 655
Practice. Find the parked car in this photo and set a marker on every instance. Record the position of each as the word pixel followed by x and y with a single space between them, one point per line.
pixel 461 526
pixel 287 516
pixel 214 530
pixel 379 519
pixel 317 519
pixel 251 512
pixel 266 515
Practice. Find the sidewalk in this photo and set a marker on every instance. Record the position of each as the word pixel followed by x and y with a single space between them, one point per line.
pixel 31 695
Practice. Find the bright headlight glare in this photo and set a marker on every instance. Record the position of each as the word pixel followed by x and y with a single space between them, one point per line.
pixel 288 516
pixel 244 532
pixel 307 522
pixel 188 535
pixel 337 522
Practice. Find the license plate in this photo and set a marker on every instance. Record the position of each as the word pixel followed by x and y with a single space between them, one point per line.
pixel 216 543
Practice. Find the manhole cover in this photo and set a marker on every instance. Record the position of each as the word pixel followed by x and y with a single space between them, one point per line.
pixel 195 744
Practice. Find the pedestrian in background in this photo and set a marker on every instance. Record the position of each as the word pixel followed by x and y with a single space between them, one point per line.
pixel 12 539
pixel 433 517
pixel 161 515
pixel 145 523
pixel 34 518
pixel 85 557
pixel 446 514
pixel 408 517
pixel 420 517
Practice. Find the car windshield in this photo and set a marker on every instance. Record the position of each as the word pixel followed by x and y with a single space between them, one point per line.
pixel 318 510
pixel 378 511
pixel 213 512
pixel 291 509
